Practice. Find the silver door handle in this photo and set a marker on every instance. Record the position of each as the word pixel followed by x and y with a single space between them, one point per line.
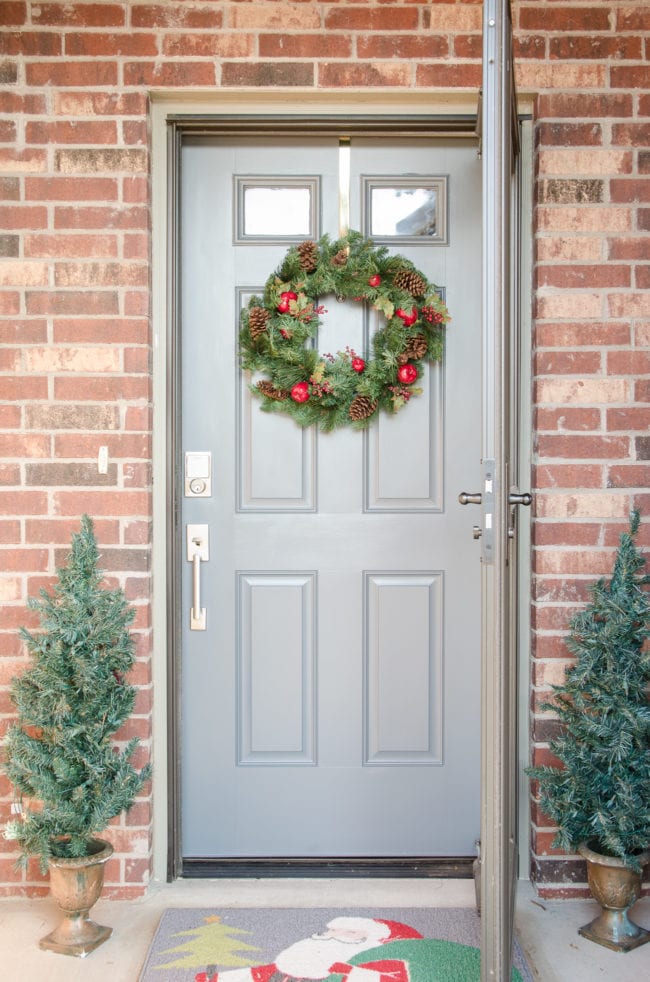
pixel 465 498
pixel 198 551
pixel 520 498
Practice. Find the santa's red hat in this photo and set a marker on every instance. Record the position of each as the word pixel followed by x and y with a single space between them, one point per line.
pixel 398 931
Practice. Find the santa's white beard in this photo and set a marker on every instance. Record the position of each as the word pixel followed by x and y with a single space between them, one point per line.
pixel 313 957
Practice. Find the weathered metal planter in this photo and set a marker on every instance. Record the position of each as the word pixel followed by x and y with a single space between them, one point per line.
pixel 75 885
pixel 616 887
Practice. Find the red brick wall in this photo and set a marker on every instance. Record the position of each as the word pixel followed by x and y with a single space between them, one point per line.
pixel 75 301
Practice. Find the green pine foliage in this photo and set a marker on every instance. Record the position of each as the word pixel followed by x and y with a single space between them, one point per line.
pixel 601 793
pixel 285 352
pixel 60 755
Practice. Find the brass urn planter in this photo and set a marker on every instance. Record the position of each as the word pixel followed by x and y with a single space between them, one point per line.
pixel 75 885
pixel 616 887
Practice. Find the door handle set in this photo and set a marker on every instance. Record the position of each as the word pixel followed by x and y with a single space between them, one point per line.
pixel 486 499
pixel 198 551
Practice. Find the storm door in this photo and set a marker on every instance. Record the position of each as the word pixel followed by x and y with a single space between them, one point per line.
pixel 330 615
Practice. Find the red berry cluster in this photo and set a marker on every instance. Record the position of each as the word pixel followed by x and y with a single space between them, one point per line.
pixel 431 315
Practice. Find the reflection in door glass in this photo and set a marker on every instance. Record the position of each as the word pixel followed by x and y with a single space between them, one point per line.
pixel 404 211
pixel 277 211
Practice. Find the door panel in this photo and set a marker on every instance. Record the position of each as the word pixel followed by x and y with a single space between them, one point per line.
pixel 331 706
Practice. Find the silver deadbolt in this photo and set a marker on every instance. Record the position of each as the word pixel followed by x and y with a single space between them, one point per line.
pixel 198 474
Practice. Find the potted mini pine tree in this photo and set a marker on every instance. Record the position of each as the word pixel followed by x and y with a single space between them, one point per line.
pixel 71 776
pixel 600 795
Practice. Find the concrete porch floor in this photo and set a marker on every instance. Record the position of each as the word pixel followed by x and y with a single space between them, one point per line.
pixel 547 930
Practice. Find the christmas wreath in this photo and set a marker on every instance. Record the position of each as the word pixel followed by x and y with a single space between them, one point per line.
pixel 345 388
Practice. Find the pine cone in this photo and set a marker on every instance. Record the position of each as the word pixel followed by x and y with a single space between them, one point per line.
pixel 406 279
pixel 257 321
pixel 362 407
pixel 308 253
pixel 269 390
pixel 341 258
pixel 416 347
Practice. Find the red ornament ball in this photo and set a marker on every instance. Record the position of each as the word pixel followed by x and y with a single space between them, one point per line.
pixel 285 300
pixel 358 364
pixel 300 392
pixel 407 318
pixel 374 280
pixel 407 374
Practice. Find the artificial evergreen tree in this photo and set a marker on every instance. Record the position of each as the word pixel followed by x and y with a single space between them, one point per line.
pixel 601 793
pixel 70 702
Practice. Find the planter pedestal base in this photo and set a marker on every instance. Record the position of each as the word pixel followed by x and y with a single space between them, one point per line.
pixel 615 930
pixel 76 936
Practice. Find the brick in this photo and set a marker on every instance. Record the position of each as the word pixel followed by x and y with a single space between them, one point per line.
pixel 569 476
pixel 22 331
pixel 100 389
pixel 14 272
pixel 642 277
pixel 633 17
pixel 630 418
pixel 31 43
pixel 69 473
pixel 71 189
pixel 585 162
pixel 628 304
pixel 637 77
pixel 586 333
pixel 23 217
pixel 570 191
pixel 567 419
pixel 629 248
pixel 567 362
pixel 9 188
pixel 97 217
pixel 642 447
pixel 391 19
pixel 100 330
pixel 586 392
pixel 564 18
pixel 83 359
pixel 603 47
pixel 566 249
pixel 22 161
pixel 267 73
pixel 102 274
pixel 119 445
pixel 162 15
pixel 528 46
pixel 565 534
pixel 67 246
pixel 72 418
pixel 24 445
pixel 593 504
pixel 587 275
pixel 403 46
pixel 334 74
pixel 628 362
pixel 73 302
pixel 628 476
pixel 23 502
pixel 242 45
pixel 629 190
pixel 122 44
pixel 586 218
pixel 75 131
pixel 79 15
pixel 93 104
pixel 100 161
pixel 168 73
pixel 462 75
pixel 452 18
pixel 560 75
pixel 58 531
pixel 583 446
pixel 584 106
pixel 68 73
pixel 14 387
pixel 103 502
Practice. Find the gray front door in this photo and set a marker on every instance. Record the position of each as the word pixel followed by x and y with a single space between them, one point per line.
pixel 331 705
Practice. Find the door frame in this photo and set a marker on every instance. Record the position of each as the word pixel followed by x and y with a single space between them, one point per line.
pixel 450 114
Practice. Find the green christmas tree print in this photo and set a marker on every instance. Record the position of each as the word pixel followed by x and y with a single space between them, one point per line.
pixel 212 944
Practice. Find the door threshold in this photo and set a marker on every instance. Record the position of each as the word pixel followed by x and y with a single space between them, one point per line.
pixel 431 867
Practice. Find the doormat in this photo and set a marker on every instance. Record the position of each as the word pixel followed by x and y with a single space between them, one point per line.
pixel 329 945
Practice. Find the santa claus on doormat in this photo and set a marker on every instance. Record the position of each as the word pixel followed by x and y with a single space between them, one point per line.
pixel 336 954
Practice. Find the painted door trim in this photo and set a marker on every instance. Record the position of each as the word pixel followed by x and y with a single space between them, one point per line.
pixel 183 106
